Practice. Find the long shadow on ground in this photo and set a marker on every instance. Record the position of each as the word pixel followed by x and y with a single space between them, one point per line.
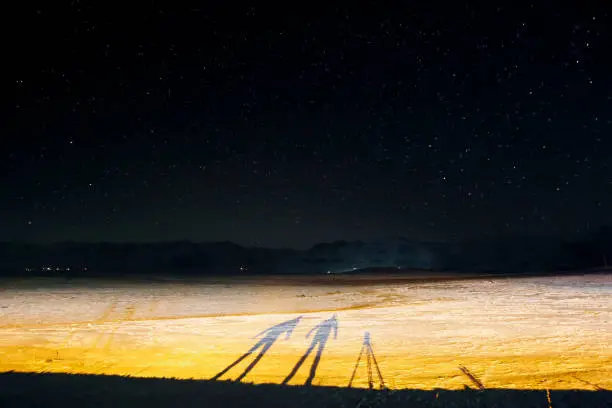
pixel 67 390
pixel 268 338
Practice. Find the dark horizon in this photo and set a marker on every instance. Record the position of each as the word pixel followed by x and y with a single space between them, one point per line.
pixel 517 255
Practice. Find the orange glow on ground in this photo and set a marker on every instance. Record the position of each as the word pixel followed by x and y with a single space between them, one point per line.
pixel 507 333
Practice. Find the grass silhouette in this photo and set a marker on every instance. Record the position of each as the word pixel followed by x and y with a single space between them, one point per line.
pixel 70 390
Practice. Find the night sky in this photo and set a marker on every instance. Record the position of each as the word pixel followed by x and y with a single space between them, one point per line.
pixel 287 127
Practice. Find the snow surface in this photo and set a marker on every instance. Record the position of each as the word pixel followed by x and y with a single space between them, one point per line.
pixel 544 332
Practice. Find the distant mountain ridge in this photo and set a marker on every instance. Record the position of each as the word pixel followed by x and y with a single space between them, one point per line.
pixel 225 258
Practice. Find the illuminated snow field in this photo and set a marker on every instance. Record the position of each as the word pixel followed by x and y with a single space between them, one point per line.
pixel 537 333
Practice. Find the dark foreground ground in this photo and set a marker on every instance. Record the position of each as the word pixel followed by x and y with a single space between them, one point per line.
pixel 65 390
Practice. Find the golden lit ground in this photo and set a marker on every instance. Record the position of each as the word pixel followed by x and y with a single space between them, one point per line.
pixel 536 333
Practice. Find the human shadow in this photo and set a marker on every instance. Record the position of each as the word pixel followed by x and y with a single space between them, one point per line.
pixel 270 335
pixel 323 331
pixel 366 347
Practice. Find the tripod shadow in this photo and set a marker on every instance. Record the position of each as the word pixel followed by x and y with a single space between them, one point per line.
pixel 366 347
pixel 270 335
pixel 323 331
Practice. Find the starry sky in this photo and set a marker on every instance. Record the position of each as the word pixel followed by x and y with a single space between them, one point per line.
pixel 286 127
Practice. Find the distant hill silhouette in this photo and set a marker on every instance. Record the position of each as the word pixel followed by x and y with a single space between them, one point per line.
pixel 520 254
